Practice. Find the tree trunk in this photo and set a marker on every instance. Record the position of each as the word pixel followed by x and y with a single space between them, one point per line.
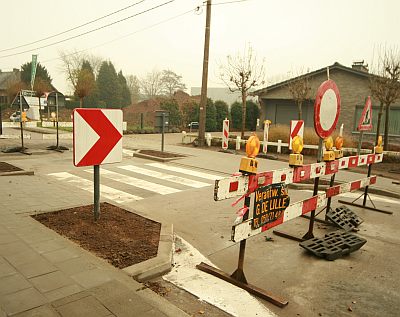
pixel 299 106
pixel 386 137
pixel 378 126
pixel 243 113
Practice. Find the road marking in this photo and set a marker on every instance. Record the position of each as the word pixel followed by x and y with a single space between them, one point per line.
pixel 185 171
pixel 107 192
pixel 208 288
pixel 140 183
pixel 164 176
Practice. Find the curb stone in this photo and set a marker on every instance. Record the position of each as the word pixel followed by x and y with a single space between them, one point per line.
pixel 160 264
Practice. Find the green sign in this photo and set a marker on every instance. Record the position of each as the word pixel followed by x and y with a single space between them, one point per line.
pixel 270 203
pixel 33 70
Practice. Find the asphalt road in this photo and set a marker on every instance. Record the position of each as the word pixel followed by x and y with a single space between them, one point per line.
pixel 364 283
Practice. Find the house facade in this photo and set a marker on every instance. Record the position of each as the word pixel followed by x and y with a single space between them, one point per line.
pixel 7 78
pixel 277 103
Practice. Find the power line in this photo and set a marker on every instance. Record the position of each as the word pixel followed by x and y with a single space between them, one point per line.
pixel 90 31
pixel 74 28
pixel 126 35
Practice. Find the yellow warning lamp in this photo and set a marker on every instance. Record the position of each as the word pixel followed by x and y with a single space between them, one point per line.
pixel 296 159
pixel 24 119
pixel 329 155
pixel 248 165
pixel 378 147
pixel 339 145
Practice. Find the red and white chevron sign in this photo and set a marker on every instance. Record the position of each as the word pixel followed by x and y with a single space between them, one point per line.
pixel 296 128
pixel 244 229
pixel 225 134
pixel 97 136
pixel 234 186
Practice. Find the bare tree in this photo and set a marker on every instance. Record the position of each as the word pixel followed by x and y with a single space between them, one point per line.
pixel 72 65
pixel 171 82
pixel 300 90
pixel 241 73
pixel 41 86
pixel 134 87
pixel 385 85
pixel 85 84
pixel 151 84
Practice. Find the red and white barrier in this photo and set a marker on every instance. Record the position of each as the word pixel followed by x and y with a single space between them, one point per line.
pixel 246 184
pixel 296 128
pixel 244 229
pixel 225 134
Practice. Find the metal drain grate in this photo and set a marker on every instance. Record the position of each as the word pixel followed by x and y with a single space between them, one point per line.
pixel 344 218
pixel 334 245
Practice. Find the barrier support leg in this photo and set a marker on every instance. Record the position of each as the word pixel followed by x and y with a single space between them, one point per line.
pixel 238 278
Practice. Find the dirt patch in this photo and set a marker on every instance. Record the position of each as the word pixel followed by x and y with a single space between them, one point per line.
pixel 119 236
pixel 5 167
pixel 160 154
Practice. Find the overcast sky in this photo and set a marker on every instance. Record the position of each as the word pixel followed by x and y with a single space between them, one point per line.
pixel 289 34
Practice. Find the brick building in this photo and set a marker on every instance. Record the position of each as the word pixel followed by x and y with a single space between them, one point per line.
pixel 6 79
pixel 277 103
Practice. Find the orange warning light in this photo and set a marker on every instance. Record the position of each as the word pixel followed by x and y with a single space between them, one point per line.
pixel 339 142
pixel 252 146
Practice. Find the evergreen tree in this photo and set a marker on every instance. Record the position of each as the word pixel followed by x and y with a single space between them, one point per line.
pixel 108 86
pixel 222 112
pixel 41 72
pixel 236 115
pixel 124 90
pixel 86 85
pixel 175 117
pixel 211 124
pixel 190 113
pixel 252 114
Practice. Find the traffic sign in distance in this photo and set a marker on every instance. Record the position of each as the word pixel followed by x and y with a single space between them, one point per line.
pixel 296 128
pixel 97 136
pixel 326 109
pixel 365 123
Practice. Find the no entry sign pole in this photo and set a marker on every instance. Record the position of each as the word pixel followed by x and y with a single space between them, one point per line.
pixel 96 180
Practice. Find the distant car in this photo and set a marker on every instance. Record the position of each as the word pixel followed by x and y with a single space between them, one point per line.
pixel 193 125
pixel 16 116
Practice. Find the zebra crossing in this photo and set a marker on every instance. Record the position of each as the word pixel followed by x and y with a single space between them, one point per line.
pixel 126 183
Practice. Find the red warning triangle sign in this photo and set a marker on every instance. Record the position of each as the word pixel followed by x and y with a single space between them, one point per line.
pixel 365 123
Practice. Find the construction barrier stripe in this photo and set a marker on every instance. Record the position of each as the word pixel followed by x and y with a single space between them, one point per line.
pixel 243 230
pixel 249 183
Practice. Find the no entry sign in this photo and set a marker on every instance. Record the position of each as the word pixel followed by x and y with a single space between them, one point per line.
pixel 326 108
pixel 97 136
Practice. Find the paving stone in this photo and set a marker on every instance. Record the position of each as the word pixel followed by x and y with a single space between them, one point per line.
pixel 48 245
pixel 6 268
pixel 21 301
pixel 92 278
pixel 42 311
pixel 13 247
pixel 13 283
pixel 7 238
pixel 27 256
pixel 36 268
pixel 76 265
pixel 61 255
pixel 51 281
pixel 70 299
pixel 153 313
pixel 87 306
pixel 63 292
pixel 127 304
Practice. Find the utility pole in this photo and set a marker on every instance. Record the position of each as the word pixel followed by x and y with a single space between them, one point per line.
pixel 203 99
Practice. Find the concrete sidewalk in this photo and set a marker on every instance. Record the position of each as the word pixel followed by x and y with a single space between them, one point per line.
pixel 44 274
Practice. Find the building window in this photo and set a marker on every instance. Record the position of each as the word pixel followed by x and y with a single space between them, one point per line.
pixel 394 119
pixel 3 99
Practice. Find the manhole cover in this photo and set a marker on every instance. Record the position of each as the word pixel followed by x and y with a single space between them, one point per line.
pixel 5 167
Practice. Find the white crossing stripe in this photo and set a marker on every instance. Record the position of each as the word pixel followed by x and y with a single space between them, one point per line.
pixel 127 152
pixel 163 176
pixel 185 171
pixel 108 192
pixel 140 183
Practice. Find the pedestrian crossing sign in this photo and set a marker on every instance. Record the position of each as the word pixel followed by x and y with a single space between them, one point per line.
pixel 365 123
